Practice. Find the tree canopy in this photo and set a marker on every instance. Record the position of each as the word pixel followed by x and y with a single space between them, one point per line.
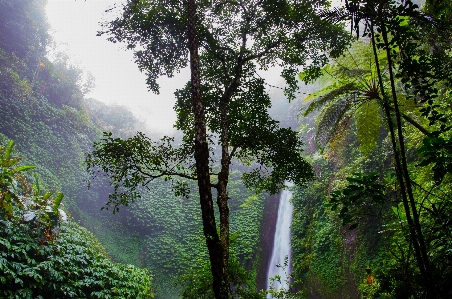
pixel 24 28
pixel 228 42
pixel 409 73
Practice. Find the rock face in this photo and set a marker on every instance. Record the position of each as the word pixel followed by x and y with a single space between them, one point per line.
pixel 267 234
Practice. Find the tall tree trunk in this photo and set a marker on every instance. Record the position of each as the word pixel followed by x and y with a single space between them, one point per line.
pixel 215 248
pixel 401 169
pixel 395 149
pixel 223 179
pixel 404 168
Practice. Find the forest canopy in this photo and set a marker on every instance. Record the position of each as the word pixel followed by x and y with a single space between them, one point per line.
pixel 224 43
pixel 370 154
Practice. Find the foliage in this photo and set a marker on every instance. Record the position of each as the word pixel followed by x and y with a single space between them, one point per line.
pixel 9 177
pixel 418 64
pixel 318 268
pixel 368 291
pixel 197 282
pixel 24 28
pixel 438 152
pixel 135 162
pixel 405 76
pixel 328 258
pixel 358 197
pixel 350 92
pixel 283 293
pixel 42 108
pixel 368 126
pixel 46 256
pixel 238 37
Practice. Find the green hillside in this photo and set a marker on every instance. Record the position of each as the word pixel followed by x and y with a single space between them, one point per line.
pixel 45 111
pixel 368 144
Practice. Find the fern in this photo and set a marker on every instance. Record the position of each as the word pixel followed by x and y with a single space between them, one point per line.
pixel 330 119
pixel 337 142
pixel 349 80
pixel 329 97
pixel 368 123
pixel 347 73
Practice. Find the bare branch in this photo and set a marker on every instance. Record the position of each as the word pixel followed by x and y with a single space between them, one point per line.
pixel 234 150
pixel 265 52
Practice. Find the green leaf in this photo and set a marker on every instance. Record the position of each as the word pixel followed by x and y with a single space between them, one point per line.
pixel 46 195
pixel 24 168
pixel 368 123
pixel 8 150
pixel 58 199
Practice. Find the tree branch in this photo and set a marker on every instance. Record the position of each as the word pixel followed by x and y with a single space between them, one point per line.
pixel 263 53
pixel 234 149
pixel 414 123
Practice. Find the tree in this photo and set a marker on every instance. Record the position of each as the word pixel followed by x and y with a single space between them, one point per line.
pixel 401 34
pixel 351 92
pixel 24 29
pixel 394 35
pixel 225 97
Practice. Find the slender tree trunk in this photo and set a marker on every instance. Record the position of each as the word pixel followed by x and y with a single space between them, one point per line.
pixel 215 248
pixel 406 175
pixel 223 179
pixel 401 166
pixel 386 108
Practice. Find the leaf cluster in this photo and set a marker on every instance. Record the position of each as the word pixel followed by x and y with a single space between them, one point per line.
pixel 45 256
pixel 136 162
pixel 438 153
pixel 359 196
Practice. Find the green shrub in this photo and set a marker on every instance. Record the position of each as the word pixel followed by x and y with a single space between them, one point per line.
pixel 43 254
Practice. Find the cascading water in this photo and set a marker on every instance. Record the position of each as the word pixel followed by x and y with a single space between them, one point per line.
pixel 281 243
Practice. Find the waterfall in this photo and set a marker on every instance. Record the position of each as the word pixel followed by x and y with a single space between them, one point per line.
pixel 281 242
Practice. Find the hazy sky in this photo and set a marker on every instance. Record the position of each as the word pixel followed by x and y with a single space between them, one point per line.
pixel 118 81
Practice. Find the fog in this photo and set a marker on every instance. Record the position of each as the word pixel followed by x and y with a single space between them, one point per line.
pixel 117 79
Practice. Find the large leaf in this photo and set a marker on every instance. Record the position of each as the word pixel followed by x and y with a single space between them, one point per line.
pixel 8 150
pixel 368 123
pixel 24 168
pixel 330 119
pixel 332 95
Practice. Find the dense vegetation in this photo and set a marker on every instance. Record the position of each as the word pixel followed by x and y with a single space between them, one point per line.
pixel 381 154
pixel 44 108
pixel 45 254
pixel 377 135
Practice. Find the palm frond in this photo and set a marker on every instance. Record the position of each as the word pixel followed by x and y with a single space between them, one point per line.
pixel 351 73
pixel 334 94
pixel 337 141
pixel 368 124
pixel 330 119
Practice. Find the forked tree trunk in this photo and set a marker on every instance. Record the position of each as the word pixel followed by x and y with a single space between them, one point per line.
pixel 214 246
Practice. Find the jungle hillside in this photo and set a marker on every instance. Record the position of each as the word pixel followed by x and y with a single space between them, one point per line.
pixel 353 136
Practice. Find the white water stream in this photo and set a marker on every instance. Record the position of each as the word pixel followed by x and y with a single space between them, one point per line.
pixel 281 243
